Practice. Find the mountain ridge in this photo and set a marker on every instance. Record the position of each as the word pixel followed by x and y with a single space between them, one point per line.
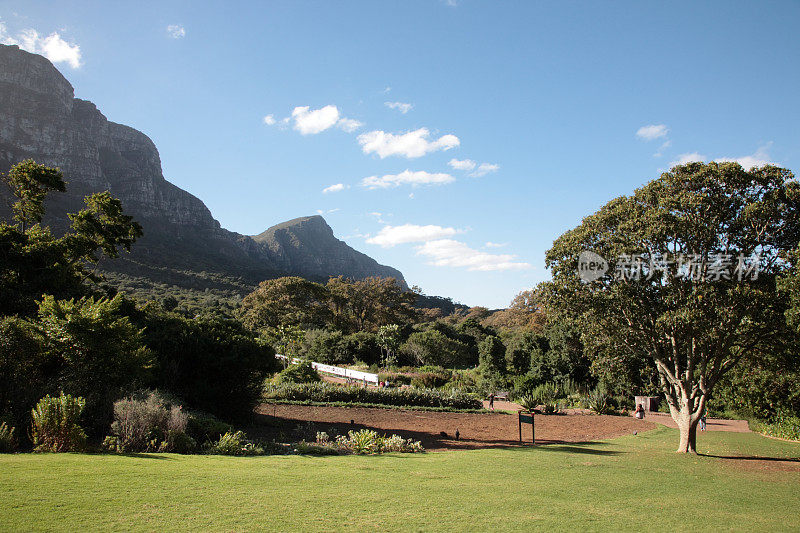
pixel 42 120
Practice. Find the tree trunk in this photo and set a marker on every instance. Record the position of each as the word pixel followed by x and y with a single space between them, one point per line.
pixel 688 442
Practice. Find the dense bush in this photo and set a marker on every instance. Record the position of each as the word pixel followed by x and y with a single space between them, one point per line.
pixel 301 372
pixel 203 427
pixel 55 424
pixel 492 354
pixel 211 364
pixel 326 392
pixel 329 347
pixel 8 443
pixel 147 423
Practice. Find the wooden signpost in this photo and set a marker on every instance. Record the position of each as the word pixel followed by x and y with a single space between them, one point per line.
pixel 527 418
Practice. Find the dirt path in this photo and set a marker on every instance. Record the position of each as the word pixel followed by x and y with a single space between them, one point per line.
pixel 713 424
pixel 437 430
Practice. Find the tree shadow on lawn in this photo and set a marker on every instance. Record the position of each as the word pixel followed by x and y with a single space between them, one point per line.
pixel 752 458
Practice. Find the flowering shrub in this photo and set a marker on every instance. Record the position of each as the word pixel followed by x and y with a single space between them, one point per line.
pixel 785 426
pixel 148 424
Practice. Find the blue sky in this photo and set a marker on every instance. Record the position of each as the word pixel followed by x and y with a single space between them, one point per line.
pixel 510 121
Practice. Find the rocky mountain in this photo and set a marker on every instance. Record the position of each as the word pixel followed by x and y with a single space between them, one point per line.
pixel 183 244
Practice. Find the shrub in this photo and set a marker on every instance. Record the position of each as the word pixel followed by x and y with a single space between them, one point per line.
pixel 233 443
pixel 330 347
pixel 147 424
pixel 599 401
pixel 547 395
pixel 203 427
pixel 55 424
pixel 784 426
pixel 328 393
pixel 363 442
pixel 432 347
pixel 7 441
pixel 301 372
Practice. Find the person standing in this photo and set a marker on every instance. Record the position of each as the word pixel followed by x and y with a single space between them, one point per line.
pixel 491 401
pixel 703 421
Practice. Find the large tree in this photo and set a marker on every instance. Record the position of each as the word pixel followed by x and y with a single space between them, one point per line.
pixel 692 260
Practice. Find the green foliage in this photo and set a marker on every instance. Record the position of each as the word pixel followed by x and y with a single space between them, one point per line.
pixel 388 339
pixel 287 301
pixel 147 423
pixel 98 351
pixel 301 372
pixel 55 424
pixel 363 442
pixel 326 392
pixel 783 426
pixel 431 347
pixel 233 443
pixel 214 365
pixel 492 356
pixel 30 183
pixel 204 427
pixel 599 401
pixel 330 347
pixel 8 442
pixel 369 303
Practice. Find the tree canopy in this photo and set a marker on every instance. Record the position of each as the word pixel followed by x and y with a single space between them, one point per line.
pixel 692 260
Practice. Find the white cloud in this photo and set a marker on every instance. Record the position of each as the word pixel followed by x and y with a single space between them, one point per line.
pixel 687 158
pixel 407 177
pixel 390 236
pixel 176 31
pixel 329 211
pixel 400 106
pixel 269 120
pixel 411 144
pixel 757 159
pixel 335 188
pixel 462 164
pixel 483 169
pixel 491 244
pixel 348 124
pixel 652 131
pixel 53 47
pixel 666 144
pixel 452 253
pixel 310 122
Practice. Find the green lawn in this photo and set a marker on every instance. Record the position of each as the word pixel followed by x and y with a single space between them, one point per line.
pixel 631 483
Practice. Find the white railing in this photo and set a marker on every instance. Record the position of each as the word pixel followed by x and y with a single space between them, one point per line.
pixel 337 370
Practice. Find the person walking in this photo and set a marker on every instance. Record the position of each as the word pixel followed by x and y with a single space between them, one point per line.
pixel 491 401
pixel 703 421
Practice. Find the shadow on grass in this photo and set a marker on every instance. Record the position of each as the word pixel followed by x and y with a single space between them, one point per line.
pixel 587 448
pixel 752 458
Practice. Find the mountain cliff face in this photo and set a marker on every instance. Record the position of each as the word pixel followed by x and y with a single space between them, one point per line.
pixel 41 119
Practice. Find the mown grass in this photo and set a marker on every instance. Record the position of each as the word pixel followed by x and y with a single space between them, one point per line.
pixel 627 484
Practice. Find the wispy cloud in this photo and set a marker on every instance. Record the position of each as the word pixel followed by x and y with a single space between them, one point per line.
pixel 269 120
pixel 652 131
pixel 462 164
pixel 53 47
pixel 329 211
pixel 452 253
pixel 407 177
pixel 400 106
pixel 390 236
pixel 335 188
pixel 411 144
pixel 483 169
pixel 491 244
pixel 176 31
pixel 348 124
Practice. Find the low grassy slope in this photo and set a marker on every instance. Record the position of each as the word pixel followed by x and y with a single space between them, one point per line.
pixel 630 483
